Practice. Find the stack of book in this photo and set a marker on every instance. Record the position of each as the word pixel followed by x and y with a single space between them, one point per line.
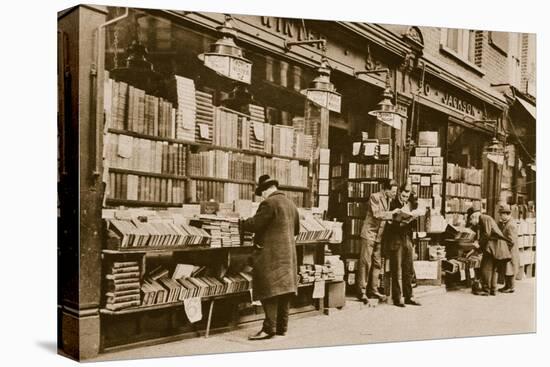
pixel 312 229
pixel 303 145
pixel 463 190
pixel 186 115
pixel 260 133
pixel 471 176
pixel 363 189
pixel 220 164
pixel 123 286
pixel 146 155
pixel 226 128
pixel 161 233
pixel 224 231
pixel 358 170
pixel 309 273
pixel 355 226
pixel 205 117
pixel 133 187
pixel 283 140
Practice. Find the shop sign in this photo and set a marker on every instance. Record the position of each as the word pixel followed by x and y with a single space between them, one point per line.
pixel 230 67
pixel 451 101
pixel 458 104
pixel 292 29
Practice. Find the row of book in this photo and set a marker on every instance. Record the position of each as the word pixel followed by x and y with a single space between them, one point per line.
pixel 220 164
pixel 527 257
pixel 459 205
pixel 463 190
pixel 287 172
pixel 144 188
pixel 130 108
pixel 122 285
pixel 467 175
pixel 357 209
pixel 363 189
pixel 352 246
pixel 336 171
pixel 309 273
pixel 355 226
pixel 526 240
pixel 423 192
pixel 313 229
pixel 232 130
pixel 127 152
pixel 165 233
pixel 358 170
pixel 224 231
pixel 224 192
pixel 526 226
pixel 168 290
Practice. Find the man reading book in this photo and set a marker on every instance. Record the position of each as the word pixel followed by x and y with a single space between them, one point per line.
pixel 370 261
pixel 398 245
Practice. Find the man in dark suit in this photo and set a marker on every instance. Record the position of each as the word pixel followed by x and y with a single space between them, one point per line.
pixel 275 269
pixel 509 229
pixel 370 262
pixel 398 244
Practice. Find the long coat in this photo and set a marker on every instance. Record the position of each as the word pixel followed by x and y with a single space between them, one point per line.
pixel 377 215
pixel 489 234
pixel 396 234
pixel 510 231
pixel 274 262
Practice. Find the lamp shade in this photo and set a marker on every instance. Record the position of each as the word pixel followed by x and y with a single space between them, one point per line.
pixel 385 111
pixel 226 58
pixel 321 91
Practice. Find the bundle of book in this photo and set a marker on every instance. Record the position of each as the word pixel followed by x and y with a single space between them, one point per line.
pixel 127 152
pixel 463 268
pixel 460 233
pixel 220 164
pixel 129 108
pixel 309 273
pixel 187 282
pixel 123 186
pixel 463 192
pixel 224 231
pixel 426 170
pixel 358 210
pixel 122 285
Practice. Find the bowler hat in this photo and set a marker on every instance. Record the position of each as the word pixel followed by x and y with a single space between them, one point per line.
pixel 505 208
pixel 264 182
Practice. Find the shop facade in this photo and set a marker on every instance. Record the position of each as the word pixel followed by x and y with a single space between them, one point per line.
pixel 365 61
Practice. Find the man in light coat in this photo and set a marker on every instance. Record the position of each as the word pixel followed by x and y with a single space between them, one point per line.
pixel 370 261
pixel 510 231
pixel 275 269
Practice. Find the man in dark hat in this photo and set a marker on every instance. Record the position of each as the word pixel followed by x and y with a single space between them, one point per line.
pixel 509 229
pixel 489 235
pixel 275 269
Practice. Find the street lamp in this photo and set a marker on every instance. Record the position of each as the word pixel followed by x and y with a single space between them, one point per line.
pixel 321 91
pixel 225 57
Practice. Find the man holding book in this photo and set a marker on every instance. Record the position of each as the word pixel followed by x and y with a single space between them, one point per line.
pixel 398 245
pixel 275 278
pixel 370 261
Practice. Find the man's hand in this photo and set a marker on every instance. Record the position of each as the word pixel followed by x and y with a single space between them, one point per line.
pixel 396 211
pixel 476 244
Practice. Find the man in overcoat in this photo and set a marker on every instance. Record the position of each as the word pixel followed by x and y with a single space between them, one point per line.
pixel 370 262
pixel 275 269
pixel 510 231
pixel 489 235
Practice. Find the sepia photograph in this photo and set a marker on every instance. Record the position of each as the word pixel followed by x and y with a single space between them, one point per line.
pixel 234 182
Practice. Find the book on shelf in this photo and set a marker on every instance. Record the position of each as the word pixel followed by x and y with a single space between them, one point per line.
pixel 363 189
pixel 145 188
pixel 362 170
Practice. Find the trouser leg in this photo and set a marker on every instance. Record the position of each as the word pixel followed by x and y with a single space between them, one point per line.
pixel 270 309
pixel 376 266
pixel 494 275
pixel 396 274
pixel 364 266
pixel 407 271
pixel 282 312
pixel 486 271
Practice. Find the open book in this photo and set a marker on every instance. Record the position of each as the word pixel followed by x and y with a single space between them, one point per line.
pixel 404 216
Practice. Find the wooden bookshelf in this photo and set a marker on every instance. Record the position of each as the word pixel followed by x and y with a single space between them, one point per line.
pixel 464 197
pixel 146 173
pixel 462 182
pixel 367 179
pixel 218 179
pixel 147 250
pixel 204 146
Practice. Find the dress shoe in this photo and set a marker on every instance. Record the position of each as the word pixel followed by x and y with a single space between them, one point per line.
pixel 280 333
pixel 492 293
pixel 503 289
pixel 480 293
pixel 379 296
pixel 508 290
pixel 363 299
pixel 412 302
pixel 261 335
pixel 399 304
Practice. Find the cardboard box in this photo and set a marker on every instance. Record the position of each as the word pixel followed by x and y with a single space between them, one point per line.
pixel 428 138
pixel 428 272
pixel 434 152
pixel 421 152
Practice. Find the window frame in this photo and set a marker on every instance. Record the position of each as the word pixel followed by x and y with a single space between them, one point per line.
pixel 463 46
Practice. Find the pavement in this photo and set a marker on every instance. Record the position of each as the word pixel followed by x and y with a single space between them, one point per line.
pixel 443 314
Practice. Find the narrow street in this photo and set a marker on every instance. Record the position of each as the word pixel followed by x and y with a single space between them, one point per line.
pixel 442 315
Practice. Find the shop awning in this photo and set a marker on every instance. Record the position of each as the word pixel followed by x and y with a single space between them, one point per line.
pixel 528 107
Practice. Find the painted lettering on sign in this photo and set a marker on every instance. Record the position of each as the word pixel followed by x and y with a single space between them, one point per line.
pixel 291 28
pixel 458 104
